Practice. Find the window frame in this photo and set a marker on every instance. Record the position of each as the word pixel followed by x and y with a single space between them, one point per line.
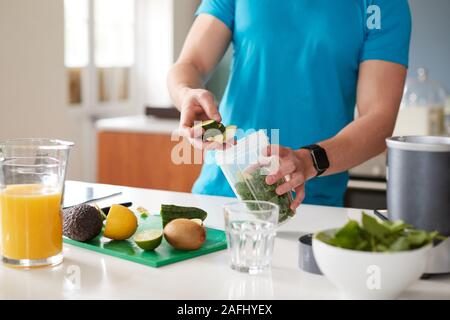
pixel 90 104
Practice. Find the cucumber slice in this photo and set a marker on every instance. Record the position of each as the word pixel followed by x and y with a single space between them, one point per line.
pixel 221 127
pixel 212 129
pixel 207 124
pixel 218 138
pixel 230 132
pixel 211 134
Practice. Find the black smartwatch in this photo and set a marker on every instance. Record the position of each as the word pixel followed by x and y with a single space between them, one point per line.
pixel 319 158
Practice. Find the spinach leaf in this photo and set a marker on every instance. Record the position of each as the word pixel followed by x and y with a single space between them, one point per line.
pixel 253 186
pixel 400 244
pixel 349 236
pixel 417 238
pixel 373 227
pixel 379 236
pixel 397 226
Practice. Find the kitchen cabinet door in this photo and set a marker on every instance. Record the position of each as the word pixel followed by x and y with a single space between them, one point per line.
pixel 144 160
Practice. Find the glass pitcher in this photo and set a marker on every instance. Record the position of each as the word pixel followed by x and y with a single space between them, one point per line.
pixel 422 92
pixel 32 174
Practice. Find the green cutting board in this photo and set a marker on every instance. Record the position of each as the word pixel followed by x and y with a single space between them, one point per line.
pixel 163 255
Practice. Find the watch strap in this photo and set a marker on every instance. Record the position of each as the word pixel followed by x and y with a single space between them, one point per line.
pixel 312 148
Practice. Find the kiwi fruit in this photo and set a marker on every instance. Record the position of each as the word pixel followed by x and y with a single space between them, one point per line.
pixel 184 234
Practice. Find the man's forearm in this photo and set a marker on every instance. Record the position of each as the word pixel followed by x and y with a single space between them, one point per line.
pixel 359 141
pixel 182 76
pixel 379 92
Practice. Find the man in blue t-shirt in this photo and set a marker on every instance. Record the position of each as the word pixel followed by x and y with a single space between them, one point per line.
pixel 299 66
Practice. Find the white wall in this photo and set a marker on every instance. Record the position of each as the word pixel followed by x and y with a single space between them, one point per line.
pixel 164 25
pixel 183 16
pixel 430 43
pixel 32 75
pixel 33 80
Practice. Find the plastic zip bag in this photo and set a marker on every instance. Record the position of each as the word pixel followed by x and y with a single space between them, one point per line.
pixel 245 168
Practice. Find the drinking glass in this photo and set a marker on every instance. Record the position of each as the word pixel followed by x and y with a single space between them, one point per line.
pixel 32 174
pixel 250 227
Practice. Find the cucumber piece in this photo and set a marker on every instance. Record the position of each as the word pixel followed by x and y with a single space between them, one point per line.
pixel 170 212
pixel 212 134
pixel 218 138
pixel 208 124
pixel 230 132
pixel 216 131
pixel 212 129
pixel 221 127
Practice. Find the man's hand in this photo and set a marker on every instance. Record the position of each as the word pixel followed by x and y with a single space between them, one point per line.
pixel 197 105
pixel 294 165
pixel 203 49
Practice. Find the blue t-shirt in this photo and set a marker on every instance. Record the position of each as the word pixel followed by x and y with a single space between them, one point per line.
pixel 295 68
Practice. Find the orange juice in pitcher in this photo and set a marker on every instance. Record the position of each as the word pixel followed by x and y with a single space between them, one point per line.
pixel 31 222
pixel 32 174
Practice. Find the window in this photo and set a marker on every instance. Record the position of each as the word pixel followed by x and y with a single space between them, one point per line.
pixel 99 52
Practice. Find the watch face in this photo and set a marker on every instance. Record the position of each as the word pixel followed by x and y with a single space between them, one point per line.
pixel 320 159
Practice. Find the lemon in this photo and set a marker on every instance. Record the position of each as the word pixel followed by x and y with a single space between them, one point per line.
pixel 149 239
pixel 121 223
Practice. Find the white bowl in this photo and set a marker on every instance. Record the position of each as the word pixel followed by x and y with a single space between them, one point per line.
pixel 369 275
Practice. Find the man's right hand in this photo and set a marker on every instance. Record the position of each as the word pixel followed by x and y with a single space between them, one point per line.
pixel 196 105
pixel 203 49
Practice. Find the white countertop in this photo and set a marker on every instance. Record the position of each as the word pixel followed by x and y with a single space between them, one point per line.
pixel 367 185
pixel 138 123
pixel 89 275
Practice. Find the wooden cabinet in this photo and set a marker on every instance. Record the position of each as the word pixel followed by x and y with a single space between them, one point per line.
pixel 144 160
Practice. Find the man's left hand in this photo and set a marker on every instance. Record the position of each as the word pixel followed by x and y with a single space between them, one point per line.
pixel 296 166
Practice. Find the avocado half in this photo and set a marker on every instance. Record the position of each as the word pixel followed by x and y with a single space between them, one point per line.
pixel 82 222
